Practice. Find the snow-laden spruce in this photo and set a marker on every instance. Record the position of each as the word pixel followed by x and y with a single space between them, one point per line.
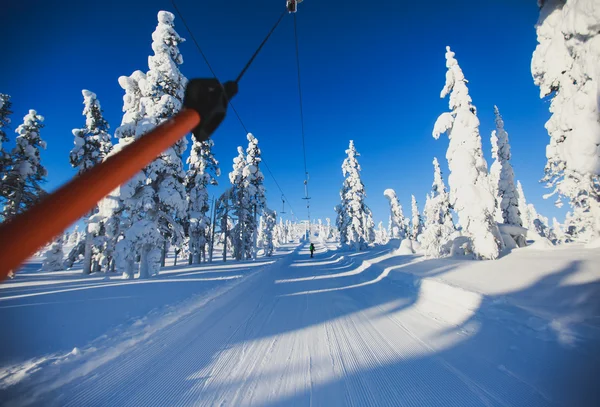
pixel 114 209
pixel 92 142
pixel 504 177
pixel 535 224
pixel 559 232
pixel 416 220
pixel 248 199
pixel 329 234
pixel 240 206
pixel 53 257
pixel 129 130
pixel 381 234
pixel 92 145
pixel 355 222
pixel 266 238
pixel 439 226
pixel 5 112
pixel 5 157
pixel 162 97
pixel 566 66
pixel 255 190
pixel 23 179
pixel 470 194
pixel 398 227
pixel 155 199
pixel 203 171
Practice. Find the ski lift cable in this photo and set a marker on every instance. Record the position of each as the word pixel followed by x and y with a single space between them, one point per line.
pixel 259 48
pixel 300 94
pixel 193 38
pixel 237 80
pixel 307 198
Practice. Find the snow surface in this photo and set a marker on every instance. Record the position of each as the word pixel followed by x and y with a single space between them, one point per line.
pixel 345 328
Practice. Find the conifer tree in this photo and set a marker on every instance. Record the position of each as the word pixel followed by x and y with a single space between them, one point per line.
pixel 23 180
pixel 439 226
pixel 203 171
pixel 354 216
pixel 53 258
pixel 469 185
pixel 398 223
pixel 565 67
pixel 507 207
pixel 417 221
pixel 92 145
pixel 240 205
pixel 5 159
pixel 255 191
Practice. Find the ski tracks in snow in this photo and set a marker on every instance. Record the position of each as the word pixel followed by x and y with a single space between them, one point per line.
pixel 283 338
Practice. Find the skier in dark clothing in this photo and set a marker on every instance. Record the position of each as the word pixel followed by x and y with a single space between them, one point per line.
pixel 312 249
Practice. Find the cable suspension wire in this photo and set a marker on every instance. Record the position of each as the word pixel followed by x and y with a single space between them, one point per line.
pixel 300 93
pixel 237 80
pixel 193 38
pixel 307 198
pixel 259 48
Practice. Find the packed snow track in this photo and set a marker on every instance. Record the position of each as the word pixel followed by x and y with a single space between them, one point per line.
pixel 340 329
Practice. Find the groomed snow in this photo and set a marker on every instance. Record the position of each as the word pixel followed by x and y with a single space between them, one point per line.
pixel 345 328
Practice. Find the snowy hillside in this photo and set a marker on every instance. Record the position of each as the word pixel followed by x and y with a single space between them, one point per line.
pixel 362 328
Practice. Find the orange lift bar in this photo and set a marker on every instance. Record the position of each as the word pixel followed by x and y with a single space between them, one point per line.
pixel 206 100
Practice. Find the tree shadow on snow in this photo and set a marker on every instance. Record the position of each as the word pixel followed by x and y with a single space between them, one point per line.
pixel 493 350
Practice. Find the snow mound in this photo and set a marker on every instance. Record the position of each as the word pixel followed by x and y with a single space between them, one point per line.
pixel 542 243
pixel 408 246
pixel 594 244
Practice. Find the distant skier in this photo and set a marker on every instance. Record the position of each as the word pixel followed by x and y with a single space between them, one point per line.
pixel 312 249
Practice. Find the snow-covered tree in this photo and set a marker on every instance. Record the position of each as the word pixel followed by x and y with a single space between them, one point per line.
pixel 92 145
pixel 536 224
pixel 503 176
pixel 398 228
pixel 119 210
pixel 130 128
pixel 341 222
pixel 202 172
pixel 5 158
pixel 162 97
pixel 255 190
pixel 578 225
pixel 156 198
pixel 558 232
pixel 92 142
pixel 26 173
pixel 355 218
pixel 439 226
pixel 240 207
pixel 470 194
pixel 5 112
pixel 53 258
pixel 417 221
pixel 565 67
pixel 369 227
pixel 268 222
pixel 278 233
pixel 329 233
pixel 522 203
pixel 108 225
pixel 74 236
pixel 381 235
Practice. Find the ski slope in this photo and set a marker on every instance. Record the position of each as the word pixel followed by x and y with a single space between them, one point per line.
pixel 363 329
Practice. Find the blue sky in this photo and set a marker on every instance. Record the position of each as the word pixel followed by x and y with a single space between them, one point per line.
pixel 372 71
